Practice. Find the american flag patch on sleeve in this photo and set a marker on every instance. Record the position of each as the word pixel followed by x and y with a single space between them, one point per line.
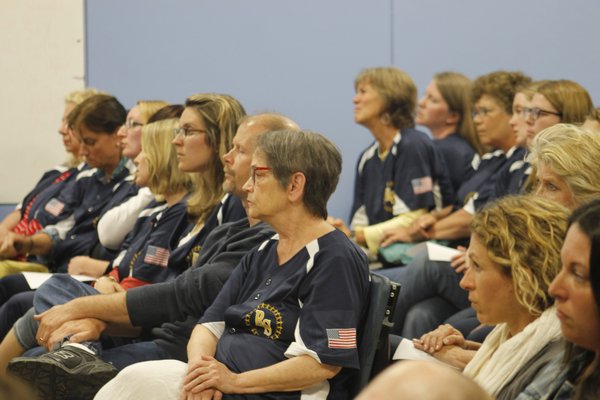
pixel 157 256
pixel 344 338
pixel 55 207
pixel 422 185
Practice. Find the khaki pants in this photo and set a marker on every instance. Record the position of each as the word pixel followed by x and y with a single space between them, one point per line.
pixel 9 267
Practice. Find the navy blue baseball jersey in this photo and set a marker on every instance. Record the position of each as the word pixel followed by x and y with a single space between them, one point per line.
pixel 311 305
pixel 144 255
pixel 484 168
pixel 33 214
pixel 186 253
pixel 413 175
pixel 80 206
pixel 458 154
pixel 508 179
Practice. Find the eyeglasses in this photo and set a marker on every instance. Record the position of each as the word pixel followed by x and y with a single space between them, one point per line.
pixel 481 111
pixel 535 113
pixel 130 124
pixel 187 131
pixel 255 168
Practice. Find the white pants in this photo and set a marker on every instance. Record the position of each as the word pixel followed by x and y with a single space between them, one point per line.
pixel 148 380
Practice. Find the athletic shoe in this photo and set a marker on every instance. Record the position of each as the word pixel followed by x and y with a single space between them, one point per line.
pixel 71 372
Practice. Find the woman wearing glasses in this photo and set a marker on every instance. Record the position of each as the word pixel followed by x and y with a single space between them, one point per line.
pixel 285 325
pixel 554 102
pixel 205 134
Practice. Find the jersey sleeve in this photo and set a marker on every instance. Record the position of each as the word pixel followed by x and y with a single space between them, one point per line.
pixel 332 300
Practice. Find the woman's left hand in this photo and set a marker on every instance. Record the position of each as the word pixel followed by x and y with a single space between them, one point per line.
pixel 208 373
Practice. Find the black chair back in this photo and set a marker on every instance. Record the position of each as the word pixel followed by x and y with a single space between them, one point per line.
pixel 374 346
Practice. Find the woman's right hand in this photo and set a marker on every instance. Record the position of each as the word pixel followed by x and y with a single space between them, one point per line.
pixel 443 335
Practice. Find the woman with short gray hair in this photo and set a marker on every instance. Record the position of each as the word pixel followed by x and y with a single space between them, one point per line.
pixel 287 321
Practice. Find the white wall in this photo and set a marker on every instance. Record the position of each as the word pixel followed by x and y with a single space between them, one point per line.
pixel 42 59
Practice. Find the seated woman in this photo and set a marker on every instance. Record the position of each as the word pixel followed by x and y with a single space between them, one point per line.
pixel 285 324
pixel 402 173
pixel 114 225
pixel 205 134
pixel 29 216
pixel 446 110
pixel 513 256
pixel 576 290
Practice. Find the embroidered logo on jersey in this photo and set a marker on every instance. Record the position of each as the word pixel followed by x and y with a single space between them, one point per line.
pixel 388 197
pixel 157 256
pixel 265 320
pixel 55 207
pixel 422 185
pixel 193 255
pixel 344 338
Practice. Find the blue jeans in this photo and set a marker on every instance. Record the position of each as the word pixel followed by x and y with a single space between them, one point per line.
pixel 59 289
pixel 429 294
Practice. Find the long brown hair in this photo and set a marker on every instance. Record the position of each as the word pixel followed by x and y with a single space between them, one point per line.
pixel 221 114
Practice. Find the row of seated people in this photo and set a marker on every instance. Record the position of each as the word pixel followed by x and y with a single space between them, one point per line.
pixel 52 294
pixel 144 230
pixel 558 164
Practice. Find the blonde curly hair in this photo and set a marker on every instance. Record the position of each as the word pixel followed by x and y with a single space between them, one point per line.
pixel 523 235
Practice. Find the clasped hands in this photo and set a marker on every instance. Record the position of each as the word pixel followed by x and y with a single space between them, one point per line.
pixel 420 229
pixel 447 344
pixel 207 379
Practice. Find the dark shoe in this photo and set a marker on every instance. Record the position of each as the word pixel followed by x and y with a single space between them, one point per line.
pixel 67 373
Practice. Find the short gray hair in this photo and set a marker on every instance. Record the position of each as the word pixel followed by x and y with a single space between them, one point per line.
pixel 287 152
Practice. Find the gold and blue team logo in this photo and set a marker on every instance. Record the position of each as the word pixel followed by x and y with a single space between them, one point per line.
pixel 265 321
pixel 192 255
